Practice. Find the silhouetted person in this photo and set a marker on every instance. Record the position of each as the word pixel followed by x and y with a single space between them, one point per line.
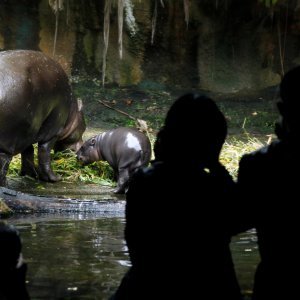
pixel 178 211
pixel 269 180
pixel 12 268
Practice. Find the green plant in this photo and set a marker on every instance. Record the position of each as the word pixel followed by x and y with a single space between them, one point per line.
pixel 66 164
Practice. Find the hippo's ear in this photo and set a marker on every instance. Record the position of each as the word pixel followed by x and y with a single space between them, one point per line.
pixel 79 104
pixel 93 142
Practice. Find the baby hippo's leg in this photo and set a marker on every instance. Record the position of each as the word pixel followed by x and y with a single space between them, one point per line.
pixel 123 178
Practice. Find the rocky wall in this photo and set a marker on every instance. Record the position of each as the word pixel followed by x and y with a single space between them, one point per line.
pixel 226 46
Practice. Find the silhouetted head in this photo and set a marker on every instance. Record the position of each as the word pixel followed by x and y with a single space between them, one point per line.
pixel 10 246
pixel 12 268
pixel 289 106
pixel 194 130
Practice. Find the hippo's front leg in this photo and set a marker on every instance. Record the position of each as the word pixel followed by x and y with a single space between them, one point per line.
pixel 44 157
pixel 4 164
pixel 27 167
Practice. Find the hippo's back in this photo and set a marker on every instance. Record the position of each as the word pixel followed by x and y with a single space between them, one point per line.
pixel 35 99
pixel 124 145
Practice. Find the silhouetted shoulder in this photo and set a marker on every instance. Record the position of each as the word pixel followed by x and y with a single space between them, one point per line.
pixel 277 159
pixel 261 158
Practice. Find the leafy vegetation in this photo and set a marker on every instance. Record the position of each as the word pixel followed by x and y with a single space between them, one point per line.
pixel 66 165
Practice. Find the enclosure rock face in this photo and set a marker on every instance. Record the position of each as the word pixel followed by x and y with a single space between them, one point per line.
pixel 221 46
pixel 36 106
pixel 125 149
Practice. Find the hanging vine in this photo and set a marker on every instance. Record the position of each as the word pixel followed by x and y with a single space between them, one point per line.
pixel 68 13
pixel 106 25
pixel 120 26
pixel 57 6
pixel 153 22
pixel 282 44
pixel 186 5
pixel 129 18
pixel 123 5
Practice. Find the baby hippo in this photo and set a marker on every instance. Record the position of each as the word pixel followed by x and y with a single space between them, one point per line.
pixel 125 149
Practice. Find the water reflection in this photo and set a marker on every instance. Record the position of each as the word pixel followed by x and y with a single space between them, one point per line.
pixel 76 257
pixel 245 255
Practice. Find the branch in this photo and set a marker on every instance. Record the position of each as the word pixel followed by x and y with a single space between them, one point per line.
pixel 118 110
pixel 140 124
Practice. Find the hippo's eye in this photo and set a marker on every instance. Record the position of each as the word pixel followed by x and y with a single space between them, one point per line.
pixel 93 142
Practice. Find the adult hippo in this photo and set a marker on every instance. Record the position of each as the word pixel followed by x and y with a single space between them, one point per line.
pixel 36 106
pixel 125 149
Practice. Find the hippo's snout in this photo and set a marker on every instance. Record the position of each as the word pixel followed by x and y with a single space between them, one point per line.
pixel 79 157
pixel 83 159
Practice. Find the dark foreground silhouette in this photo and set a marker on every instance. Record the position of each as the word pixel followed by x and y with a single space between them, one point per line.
pixel 12 268
pixel 179 213
pixel 269 182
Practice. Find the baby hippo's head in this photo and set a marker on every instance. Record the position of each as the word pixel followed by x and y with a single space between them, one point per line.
pixel 88 153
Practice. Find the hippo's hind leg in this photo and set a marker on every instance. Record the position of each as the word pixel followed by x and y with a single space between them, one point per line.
pixel 123 177
pixel 27 166
pixel 5 160
pixel 44 157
